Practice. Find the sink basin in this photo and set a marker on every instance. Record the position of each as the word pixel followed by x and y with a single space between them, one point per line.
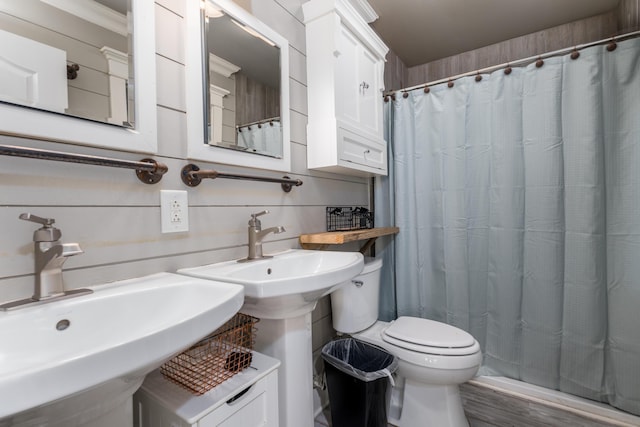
pixel 288 284
pixel 57 355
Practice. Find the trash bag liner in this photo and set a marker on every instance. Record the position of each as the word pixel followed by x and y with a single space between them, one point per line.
pixel 357 377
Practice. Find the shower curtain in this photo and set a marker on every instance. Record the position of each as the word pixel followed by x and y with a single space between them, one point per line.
pixel 518 203
pixel 264 138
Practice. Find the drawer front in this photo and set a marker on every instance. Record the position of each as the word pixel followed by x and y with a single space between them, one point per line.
pixel 361 150
pixel 257 407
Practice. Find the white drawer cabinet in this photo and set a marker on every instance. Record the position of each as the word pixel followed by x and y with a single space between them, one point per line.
pixel 362 151
pixel 345 67
pixel 248 399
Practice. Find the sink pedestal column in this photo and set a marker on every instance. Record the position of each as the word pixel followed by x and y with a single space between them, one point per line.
pixel 289 340
pixel 107 405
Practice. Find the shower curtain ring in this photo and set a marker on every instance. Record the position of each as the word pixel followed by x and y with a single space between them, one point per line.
pixel 612 45
pixel 508 69
pixel 575 54
pixel 478 76
pixel 539 62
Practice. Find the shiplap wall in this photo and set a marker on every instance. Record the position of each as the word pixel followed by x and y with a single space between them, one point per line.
pixel 116 218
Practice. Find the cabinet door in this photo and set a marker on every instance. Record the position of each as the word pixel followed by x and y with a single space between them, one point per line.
pixel 346 77
pixel 358 84
pixel 370 98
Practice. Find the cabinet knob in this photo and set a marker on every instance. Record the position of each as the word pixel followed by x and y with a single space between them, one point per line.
pixel 364 86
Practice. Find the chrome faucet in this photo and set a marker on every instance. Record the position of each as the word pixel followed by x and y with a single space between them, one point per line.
pixel 256 234
pixel 50 254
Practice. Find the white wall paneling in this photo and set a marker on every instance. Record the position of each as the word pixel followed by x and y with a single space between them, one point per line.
pixel 172 126
pixel 298 97
pixel 283 20
pixel 297 66
pixel 169 34
pixel 171 86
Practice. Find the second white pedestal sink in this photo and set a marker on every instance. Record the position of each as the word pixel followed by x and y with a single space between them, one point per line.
pixel 78 361
pixel 282 291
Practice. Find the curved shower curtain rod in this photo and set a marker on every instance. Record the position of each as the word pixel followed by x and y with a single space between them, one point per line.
pixel 518 62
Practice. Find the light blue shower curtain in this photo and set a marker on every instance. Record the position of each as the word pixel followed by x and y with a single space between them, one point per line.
pixel 265 138
pixel 518 202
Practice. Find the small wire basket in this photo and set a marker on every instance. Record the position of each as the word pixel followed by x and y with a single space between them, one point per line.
pixel 348 218
pixel 214 359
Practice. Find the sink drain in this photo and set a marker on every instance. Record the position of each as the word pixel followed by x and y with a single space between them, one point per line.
pixel 63 324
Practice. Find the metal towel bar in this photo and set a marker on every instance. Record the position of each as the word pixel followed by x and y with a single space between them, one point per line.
pixel 192 176
pixel 147 170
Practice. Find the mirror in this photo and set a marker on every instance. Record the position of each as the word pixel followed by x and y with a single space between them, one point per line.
pixel 67 57
pixel 67 71
pixel 244 83
pixel 243 88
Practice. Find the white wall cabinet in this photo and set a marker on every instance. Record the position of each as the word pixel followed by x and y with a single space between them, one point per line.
pixel 345 67
pixel 248 399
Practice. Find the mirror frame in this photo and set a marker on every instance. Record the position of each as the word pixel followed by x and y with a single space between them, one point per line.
pixel 21 121
pixel 197 146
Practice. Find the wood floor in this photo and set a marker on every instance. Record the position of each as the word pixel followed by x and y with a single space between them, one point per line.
pixel 488 408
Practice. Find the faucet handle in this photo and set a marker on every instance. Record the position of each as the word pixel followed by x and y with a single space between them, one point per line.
pixel 47 233
pixel 264 212
pixel 254 221
pixel 47 222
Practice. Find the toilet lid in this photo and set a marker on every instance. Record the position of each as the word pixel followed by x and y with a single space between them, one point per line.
pixel 428 336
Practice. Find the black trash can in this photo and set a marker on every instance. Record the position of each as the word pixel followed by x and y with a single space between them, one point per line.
pixel 357 376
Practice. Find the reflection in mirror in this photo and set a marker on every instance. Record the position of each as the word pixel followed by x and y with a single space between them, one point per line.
pixel 244 80
pixel 70 57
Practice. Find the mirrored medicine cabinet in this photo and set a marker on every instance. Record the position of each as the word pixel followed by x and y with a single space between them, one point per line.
pixel 79 71
pixel 238 76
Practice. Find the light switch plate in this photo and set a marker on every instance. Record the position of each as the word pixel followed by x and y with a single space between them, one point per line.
pixel 174 211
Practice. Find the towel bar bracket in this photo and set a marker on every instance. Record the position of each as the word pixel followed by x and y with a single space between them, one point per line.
pixel 151 176
pixel 189 178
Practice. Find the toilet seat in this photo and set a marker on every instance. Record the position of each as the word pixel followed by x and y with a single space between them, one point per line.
pixel 429 337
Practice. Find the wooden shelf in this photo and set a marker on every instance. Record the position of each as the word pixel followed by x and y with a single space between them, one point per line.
pixel 321 240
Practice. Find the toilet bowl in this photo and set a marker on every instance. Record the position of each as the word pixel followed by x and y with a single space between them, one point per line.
pixel 433 357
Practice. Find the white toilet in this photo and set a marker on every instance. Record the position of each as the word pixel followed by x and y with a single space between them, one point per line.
pixel 433 357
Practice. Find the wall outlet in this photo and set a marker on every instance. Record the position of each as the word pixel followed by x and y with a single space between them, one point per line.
pixel 174 211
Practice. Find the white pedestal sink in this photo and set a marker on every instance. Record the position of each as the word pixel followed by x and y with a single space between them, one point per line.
pixel 283 291
pixel 78 361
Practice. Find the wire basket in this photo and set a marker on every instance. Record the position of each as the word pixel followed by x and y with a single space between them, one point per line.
pixel 348 218
pixel 214 359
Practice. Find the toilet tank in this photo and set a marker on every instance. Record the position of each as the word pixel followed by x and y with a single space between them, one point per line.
pixel 354 305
